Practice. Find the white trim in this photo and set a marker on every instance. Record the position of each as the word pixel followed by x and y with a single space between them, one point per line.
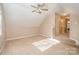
pixel 44 35
pixel 23 36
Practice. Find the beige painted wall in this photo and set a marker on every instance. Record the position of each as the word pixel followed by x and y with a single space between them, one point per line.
pixel 46 28
pixel 2 36
pixel 21 32
pixel 19 23
pixel 74 27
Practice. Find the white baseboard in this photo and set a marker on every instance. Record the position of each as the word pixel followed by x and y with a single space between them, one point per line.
pixel 44 35
pixel 23 36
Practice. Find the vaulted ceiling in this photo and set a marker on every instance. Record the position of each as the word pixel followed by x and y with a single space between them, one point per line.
pixel 21 14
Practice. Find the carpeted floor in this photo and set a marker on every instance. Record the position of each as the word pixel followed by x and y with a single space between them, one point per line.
pixel 25 46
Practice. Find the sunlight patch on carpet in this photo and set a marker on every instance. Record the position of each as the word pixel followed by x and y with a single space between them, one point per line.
pixel 44 44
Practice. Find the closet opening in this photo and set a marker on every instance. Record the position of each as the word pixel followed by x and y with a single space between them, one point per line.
pixel 62 25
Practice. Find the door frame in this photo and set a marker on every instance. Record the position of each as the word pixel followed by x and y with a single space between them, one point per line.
pixel 57 19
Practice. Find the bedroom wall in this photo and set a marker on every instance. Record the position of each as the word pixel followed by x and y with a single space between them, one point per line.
pixel 20 21
pixel 2 28
pixel 74 33
pixel 47 26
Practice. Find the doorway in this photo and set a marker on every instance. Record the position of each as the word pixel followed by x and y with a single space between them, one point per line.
pixel 62 24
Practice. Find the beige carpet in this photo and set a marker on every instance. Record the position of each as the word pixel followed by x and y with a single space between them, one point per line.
pixel 25 47
pixel 44 44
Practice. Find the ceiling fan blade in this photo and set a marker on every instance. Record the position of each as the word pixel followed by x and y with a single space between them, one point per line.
pixel 44 9
pixel 33 6
pixel 34 11
pixel 39 12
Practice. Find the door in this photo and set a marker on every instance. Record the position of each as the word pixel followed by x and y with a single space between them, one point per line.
pixel 2 28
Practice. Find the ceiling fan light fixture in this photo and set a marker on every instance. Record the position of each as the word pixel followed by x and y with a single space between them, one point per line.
pixel 40 7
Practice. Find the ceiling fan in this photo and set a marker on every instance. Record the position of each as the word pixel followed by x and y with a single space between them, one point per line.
pixel 39 8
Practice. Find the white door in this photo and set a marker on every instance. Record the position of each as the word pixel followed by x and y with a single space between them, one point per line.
pixel 2 29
